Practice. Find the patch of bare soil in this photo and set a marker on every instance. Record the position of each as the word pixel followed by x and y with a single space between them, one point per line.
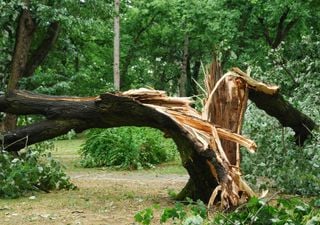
pixel 101 198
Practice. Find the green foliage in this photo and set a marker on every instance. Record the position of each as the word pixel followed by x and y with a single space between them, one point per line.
pixel 144 217
pixel 257 211
pixel 283 211
pixel 192 213
pixel 126 147
pixel 287 167
pixel 290 168
pixel 33 170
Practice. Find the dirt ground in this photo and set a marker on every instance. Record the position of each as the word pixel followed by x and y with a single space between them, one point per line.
pixel 101 198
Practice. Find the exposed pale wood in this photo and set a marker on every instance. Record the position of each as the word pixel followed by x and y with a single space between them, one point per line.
pixel 225 105
pixel 253 84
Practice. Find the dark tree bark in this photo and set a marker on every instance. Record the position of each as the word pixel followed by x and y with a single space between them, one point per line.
pixel 288 116
pixel 107 110
pixel 43 49
pixel 208 171
pixel 274 104
pixel 282 29
pixel 25 30
pixel 22 64
pixel 183 80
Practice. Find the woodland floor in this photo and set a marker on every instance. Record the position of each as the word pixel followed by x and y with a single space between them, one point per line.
pixel 103 196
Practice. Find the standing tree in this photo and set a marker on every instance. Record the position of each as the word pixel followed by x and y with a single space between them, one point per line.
pixel 24 61
pixel 116 62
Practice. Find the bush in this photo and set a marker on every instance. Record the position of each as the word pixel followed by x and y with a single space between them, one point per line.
pixel 33 170
pixel 126 147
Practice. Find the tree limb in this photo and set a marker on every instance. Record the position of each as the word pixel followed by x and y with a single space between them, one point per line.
pixel 43 49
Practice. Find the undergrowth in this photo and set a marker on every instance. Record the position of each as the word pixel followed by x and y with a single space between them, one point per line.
pixel 291 211
pixel 278 162
pixel 126 147
pixel 32 170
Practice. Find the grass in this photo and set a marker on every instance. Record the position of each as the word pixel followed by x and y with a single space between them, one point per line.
pixel 104 195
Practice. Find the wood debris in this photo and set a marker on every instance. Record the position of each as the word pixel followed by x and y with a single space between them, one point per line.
pixel 199 125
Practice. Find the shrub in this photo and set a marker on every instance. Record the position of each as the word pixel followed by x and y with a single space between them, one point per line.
pixel 33 170
pixel 126 147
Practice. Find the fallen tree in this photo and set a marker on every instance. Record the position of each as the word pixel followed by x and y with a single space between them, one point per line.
pixel 202 143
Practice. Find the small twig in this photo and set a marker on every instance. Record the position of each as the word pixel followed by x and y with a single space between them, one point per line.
pixel 26 143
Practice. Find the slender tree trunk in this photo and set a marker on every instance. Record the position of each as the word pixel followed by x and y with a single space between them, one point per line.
pixel 24 36
pixel 116 64
pixel 183 81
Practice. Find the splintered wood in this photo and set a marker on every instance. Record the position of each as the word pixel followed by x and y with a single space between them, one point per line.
pixel 201 125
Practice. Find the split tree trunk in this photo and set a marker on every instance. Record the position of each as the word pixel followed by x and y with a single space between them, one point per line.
pixel 227 106
pixel 173 116
pixel 212 175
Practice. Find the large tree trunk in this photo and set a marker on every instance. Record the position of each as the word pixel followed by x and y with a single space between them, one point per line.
pixel 205 164
pixel 212 174
pixel 227 106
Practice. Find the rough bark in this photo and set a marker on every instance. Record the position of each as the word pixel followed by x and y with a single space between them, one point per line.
pixel 287 115
pixel 22 64
pixel 273 103
pixel 24 35
pixel 107 110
